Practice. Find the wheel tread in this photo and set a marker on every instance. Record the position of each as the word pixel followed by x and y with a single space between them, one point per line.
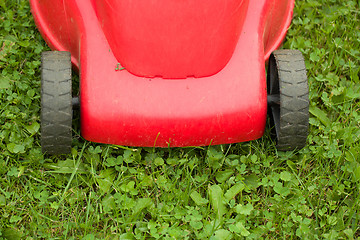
pixel 56 108
pixel 294 99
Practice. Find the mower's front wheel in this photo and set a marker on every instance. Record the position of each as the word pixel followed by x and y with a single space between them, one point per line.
pixel 288 99
pixel 56 103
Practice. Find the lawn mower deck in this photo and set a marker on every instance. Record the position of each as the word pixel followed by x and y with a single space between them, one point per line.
pixel 124 102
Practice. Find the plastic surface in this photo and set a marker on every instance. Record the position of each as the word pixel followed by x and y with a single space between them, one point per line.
pixel 119 107
pixel 172 39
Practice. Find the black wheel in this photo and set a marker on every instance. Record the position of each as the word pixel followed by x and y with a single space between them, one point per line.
pixel 288 99
pixel 56 103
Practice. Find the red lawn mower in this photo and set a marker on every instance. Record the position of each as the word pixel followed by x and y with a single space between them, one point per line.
pixel 170 73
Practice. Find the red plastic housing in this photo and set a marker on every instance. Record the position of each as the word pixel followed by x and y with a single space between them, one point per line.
pixel 172 39
pixel 194 70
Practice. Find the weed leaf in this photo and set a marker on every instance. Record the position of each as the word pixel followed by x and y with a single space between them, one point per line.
pixel 66 166
pixel 15 148
pixel 4 82
pixel 321 115
pixel 244 209
pixel 233 191
pixel 222 234
pixel 108 203
pixel 11 234
pixel 196 197
pixel 197 225
pixel 2 200
pixel 281 190
pixel 222 176
pixel 251 181
pixel 141 204
pixel 105 180
pixel 217 200
pixel 33 128
pixel 240 229
pixel 127 236
pixel 285 176
pixel 14 219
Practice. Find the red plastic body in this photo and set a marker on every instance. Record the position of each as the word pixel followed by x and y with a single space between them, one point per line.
pixel 194 70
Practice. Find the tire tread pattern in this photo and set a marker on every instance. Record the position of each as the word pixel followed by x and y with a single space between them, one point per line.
pixel 56 107
pixel 294 100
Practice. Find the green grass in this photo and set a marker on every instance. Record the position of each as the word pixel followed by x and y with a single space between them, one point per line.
pixel 246 190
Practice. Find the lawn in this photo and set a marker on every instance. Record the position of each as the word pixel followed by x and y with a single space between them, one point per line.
pixel 238 191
